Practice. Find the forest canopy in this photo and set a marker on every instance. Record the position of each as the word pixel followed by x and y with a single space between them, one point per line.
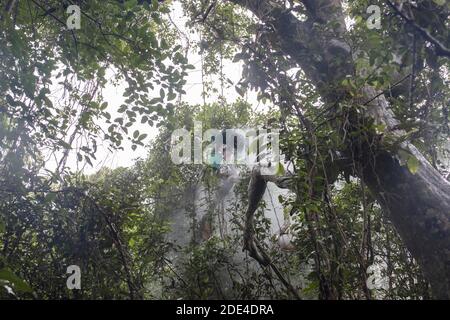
pixel 359 92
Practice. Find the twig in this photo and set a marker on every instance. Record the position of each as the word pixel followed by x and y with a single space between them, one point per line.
pixel 384 91
pixel 413 72
pixel 441 50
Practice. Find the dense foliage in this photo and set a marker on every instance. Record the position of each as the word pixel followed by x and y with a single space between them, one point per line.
pixel 116 223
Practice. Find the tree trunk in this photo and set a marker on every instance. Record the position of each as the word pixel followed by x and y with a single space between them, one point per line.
pixel 419 207
pixel 418 204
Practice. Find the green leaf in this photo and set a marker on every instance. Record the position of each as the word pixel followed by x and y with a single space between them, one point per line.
pixel 240 90
pixel 131 114
pixel 104 105
pixel 18 283
pixel 280 169
pixel 29 84
pixel 413 164
pixel 122 108
pixel 439 2
pixel 142 136
pixel 50 197
pixel 380 128
pixel 171 96
pixel 155 101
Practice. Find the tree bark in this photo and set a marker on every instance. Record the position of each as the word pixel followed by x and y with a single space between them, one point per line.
pixel 418 204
